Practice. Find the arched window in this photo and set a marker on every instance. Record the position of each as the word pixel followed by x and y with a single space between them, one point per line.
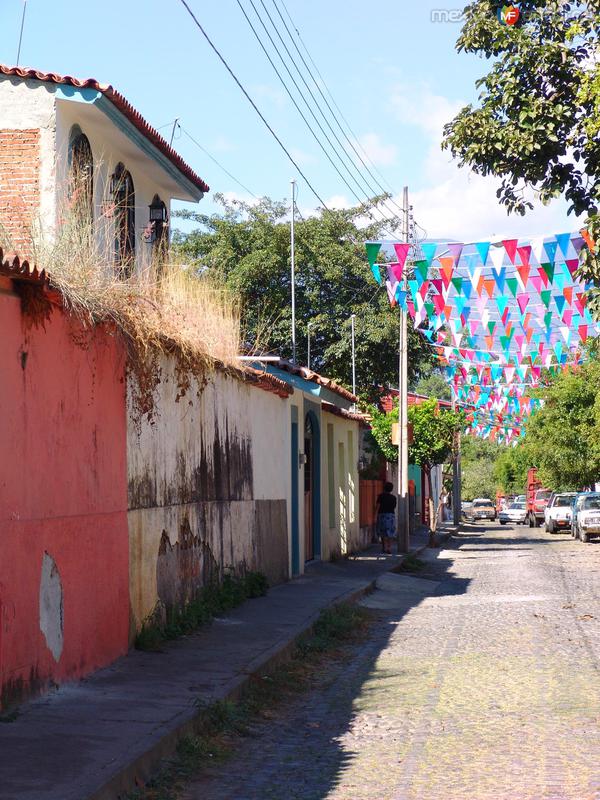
pixel 123 193
pixel 81 175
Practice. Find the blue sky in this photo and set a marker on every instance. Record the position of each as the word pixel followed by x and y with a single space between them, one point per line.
pixel 391 69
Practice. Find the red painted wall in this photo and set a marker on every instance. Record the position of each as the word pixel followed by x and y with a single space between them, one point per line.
pixel 63 491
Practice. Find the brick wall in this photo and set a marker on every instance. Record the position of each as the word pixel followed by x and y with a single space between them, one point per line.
pixel 19 187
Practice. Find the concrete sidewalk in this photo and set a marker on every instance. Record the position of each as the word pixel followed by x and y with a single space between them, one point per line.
pixel 93 739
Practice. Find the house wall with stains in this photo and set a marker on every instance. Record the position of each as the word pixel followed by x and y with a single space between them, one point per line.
pixel 206 491
pixel 64 599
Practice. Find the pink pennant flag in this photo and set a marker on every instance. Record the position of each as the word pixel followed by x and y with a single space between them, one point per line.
pixel 397 271
pixel 510 245
pixel 523 301
pixel 473 325
pixel 567 317
pixel 401 253
pixel 537 283
pixel 509 374
pixel 572 265
pixel 424 289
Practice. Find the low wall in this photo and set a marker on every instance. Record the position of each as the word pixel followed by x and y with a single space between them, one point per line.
pixel 206 490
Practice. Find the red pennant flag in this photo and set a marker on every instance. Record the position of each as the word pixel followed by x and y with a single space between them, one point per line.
pixel 583 332
pixel 588 240
pixel 568 294
pixel 524 254
pixel 510 245
pixel 572 265
pixel 524 271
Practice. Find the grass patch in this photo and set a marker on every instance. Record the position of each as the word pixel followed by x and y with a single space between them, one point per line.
pixel 213 599
pixel 224 723
pixel 410 564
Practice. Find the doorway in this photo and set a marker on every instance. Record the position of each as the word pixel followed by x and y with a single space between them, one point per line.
pixel 312 488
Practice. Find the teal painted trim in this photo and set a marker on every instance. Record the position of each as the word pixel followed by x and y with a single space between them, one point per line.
pixel 132 133
pixel 64 92
pixel 315 417
pixel 295 414
pixel 295 380
pixel 294 475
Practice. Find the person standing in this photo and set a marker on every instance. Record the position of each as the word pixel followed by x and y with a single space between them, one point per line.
pixel 385 507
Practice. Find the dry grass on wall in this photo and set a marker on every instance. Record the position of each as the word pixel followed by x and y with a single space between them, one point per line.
pixel 165 309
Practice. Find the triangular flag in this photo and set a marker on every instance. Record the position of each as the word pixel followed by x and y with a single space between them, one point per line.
pixel 376 270
pixel 560 303
pixel 497 255
pixel 510 245
pixel 401 253
pixel 572 265
pixel 549 270
pixel 458 284
pixel 546 295
pixel 512 284
pixel 564 240
pixel 524 253
pixel 483 248
pixel 447 269
pixel 578 242
pixel 537 248
pixel 568 294
pixel 373 249
pixel 428 249
pixel 455 250
pixel 537 282
pixel 489 286
pixel 551 248
pixel 524 271
pixel 583 333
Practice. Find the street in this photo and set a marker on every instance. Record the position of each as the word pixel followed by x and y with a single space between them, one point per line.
pixel 479 679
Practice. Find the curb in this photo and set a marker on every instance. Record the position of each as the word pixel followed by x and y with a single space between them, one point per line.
pixel 141 768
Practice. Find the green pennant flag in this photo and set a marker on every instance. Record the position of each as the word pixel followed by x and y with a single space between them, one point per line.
pixel 422 268
pixel 546 295
pixel 457 283
pixel 373 249
pixel 491 327
pixel 548 319
pixel 549 270
pixel 429 309
pixel 513 285
pixel 505 342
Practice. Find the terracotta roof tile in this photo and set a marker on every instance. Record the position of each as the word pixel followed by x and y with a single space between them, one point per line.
pixel 123 105
pixel 314 377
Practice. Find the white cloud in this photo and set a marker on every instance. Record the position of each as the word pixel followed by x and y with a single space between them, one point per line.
pixel 270 93
pixel 301 157
pixel 380 154
pixel 455 202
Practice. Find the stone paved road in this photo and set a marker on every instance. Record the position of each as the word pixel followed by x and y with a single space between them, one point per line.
pixel 482 683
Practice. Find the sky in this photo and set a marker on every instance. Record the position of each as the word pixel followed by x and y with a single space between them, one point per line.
pixel 390 66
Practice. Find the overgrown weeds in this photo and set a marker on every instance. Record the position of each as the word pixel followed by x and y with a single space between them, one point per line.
pixel 410 564
pixel 216 598
pixel 224 723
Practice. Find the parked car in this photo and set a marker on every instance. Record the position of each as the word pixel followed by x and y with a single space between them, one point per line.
pixel 537 498
pixel 585 516
pixel 482 508
pixel 557 515
pixel 516 512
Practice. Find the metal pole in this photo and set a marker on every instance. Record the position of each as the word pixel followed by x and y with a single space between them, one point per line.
pixel 403 504
pixel 352 318
pixel 293 264
pixel 308 335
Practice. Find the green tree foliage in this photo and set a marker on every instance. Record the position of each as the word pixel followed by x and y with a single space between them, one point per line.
pixel 563 438
pixel 248 247
pixel 478 460
pixel 434 439
pixel 433 384
pixel 381 431
pixel 510 469
pixel 537 122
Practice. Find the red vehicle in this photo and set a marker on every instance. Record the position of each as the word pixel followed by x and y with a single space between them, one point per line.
pixel 537 499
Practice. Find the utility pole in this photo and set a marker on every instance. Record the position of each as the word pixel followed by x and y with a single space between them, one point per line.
pixel 352 318
pixel 293 265
pixel 403 509
pixel 308 337
pixel 457 473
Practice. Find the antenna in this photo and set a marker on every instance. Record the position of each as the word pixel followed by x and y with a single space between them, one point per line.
pixel 21 33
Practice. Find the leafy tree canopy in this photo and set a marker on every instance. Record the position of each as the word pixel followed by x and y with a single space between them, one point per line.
pixel 478 460
pixel 248 247
pixel 537 122
pixel 434 433
pixel 510 469
pixel 432 384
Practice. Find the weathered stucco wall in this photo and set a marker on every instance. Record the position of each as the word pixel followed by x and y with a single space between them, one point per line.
pixel 63 502
pixel 206 489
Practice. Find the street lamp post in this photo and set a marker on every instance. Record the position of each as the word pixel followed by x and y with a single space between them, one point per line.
pixel 308 327
pixel 352 318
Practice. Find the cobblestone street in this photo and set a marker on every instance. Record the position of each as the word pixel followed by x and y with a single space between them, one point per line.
pixel 479 681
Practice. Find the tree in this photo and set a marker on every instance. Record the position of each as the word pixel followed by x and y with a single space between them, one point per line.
pixel 433 384
pixel 563 438
pixel 478 459
pixel 434 440
pixel 510 469
pixel 537 123
pixel 248 246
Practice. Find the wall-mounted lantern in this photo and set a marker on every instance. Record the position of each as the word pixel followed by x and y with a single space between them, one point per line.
pixel 156 228
pixel 158 210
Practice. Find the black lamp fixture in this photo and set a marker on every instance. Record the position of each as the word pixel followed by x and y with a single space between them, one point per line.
pixel 158 210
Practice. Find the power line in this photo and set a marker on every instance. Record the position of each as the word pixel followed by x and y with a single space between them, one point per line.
pixel 212 158
pixel 21 33
pixel 370 191
pixel 252 103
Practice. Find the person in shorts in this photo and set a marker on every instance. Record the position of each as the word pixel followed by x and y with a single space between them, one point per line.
pixel 385 508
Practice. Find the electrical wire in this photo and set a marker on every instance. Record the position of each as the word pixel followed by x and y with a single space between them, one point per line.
pixel 212 158
pixel 251 101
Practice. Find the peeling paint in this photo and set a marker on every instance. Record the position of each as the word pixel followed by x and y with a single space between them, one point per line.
pixel 51 607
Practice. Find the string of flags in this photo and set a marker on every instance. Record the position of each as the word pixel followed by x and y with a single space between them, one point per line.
pixel 499 314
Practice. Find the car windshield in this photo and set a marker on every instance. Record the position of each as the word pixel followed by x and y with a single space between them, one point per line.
pixel 517 506
pixel 542 495
pixel 591 502
pixel 482 503
pixel 563 500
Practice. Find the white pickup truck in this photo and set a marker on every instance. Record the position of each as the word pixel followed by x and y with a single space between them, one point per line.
pixel 557 515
